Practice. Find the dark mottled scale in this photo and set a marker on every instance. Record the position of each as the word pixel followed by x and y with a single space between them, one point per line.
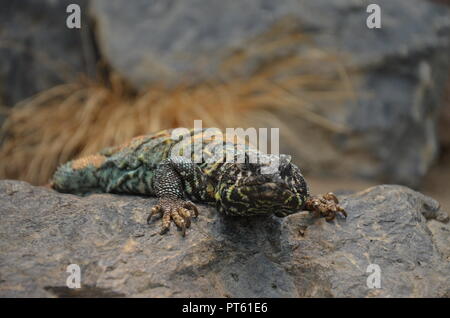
pixel 131 169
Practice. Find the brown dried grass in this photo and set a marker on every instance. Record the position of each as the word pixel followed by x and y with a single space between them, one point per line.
pixel 81 118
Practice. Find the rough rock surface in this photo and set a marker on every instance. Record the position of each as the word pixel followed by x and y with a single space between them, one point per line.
pixel 193 37
pixel 402 67
pixel 37 50
pixel 42 232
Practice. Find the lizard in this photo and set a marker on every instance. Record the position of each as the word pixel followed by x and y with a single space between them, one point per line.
pixel 164 165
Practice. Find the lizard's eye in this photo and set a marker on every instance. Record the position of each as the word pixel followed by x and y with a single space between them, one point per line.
pixel 285 169
pixel 285 165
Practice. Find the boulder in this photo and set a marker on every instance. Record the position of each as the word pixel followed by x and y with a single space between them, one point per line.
pixel 397 72
pixel 172 40
pixel 399 230
pixel 37 49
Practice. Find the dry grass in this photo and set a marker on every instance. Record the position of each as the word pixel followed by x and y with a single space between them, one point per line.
pixel 77 119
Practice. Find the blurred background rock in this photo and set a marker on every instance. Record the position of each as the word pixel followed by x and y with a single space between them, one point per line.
pixel 355 106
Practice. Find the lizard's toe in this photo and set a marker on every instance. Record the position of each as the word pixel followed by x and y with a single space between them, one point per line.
pixel 342 211
pixel 191 207
pixel 330 196
pixel 156 210
pixel 178 220
pixel 165 222
pixel 186 216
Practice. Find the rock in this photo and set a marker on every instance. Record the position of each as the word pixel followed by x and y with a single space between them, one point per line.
pixel 194 37
pixel 401 68
pixel 37 50
pixel 43 231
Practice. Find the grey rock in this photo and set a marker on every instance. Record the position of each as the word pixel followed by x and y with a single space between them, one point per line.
pixel 42 232
pixel 37 50
pixel 402 68
pixel 164 40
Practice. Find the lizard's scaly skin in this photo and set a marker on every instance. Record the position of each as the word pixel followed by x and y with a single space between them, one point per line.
pixel 158 165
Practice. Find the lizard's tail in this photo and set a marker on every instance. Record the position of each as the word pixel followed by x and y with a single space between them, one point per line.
pixel 78 176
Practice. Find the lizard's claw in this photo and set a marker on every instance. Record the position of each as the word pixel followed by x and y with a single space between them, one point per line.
pixel 325 206
pixel 176 210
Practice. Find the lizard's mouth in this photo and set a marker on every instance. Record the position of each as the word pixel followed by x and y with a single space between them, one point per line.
pixel 261 195
pixel 281 213
pixel 274 192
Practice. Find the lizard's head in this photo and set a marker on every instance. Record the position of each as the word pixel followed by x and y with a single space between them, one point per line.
pixel 276 187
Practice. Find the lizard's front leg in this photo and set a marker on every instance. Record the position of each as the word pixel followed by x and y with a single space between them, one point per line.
pixel 326 206
pixel 174 177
